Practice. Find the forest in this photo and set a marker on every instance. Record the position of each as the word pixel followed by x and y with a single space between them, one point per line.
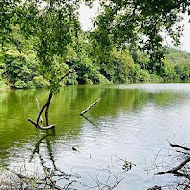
pixel 39 44
pixel 20 66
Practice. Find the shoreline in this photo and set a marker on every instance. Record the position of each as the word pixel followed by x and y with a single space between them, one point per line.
pixel 8 87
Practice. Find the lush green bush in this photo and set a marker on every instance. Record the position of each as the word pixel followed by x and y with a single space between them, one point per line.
pixel 3 84
pixel 39 82
pixel 86 72
pixel 19 67
pixel 139 75
pixel 122 66
pixel 167 71
pixel 20 84
pixel 30 84
pixel 183 71
pixel 71 80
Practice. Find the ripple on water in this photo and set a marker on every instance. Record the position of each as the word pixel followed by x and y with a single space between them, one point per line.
pixel 131 122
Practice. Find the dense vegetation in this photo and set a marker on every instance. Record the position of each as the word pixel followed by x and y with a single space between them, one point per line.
pixel 20 66
pixel 42 40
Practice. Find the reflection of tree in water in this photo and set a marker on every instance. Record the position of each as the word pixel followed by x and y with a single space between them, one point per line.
pixel 90 121
pixel 167 98
pixel 51 174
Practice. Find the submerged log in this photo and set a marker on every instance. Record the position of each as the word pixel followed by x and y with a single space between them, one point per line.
pixel 90 107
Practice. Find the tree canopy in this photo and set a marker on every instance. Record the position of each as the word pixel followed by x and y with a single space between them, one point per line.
pixel 139 24
pixel 53 32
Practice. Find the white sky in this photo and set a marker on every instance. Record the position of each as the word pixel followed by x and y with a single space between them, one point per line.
pixel 86 15
pixel 185 40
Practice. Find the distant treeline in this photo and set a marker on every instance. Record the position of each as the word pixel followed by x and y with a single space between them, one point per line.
pixel 19 65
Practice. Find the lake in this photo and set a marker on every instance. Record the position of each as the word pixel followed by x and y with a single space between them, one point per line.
pixel 131 123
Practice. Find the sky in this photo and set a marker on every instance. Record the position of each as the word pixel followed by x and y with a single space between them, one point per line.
pixel 185 40
pixel 87 14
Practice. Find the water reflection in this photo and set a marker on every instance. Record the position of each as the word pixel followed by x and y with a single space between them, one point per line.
pixel 48 138
pixel 90 121
pixel 120 123
pixel 17 106
pixel 49 133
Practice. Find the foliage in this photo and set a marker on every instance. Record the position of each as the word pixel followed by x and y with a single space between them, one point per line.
pixel 20 84
pixel 17 67
pixel 139 25
pixel 55 26
pixel 41 41
pixel 123 65
pixel 3 85
pixel 23 67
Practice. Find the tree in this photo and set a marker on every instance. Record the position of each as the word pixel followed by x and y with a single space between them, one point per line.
pixel 55 25
pixel 7 17
pixel 139 24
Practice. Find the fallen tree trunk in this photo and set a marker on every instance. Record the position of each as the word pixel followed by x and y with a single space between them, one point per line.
pixel 90 107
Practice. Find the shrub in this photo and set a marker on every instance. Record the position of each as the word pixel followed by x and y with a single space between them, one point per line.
pixel 20 84
pixel 3 84
pixel 30 84
pixel 39 82
pixel 102 79
pixel 71 79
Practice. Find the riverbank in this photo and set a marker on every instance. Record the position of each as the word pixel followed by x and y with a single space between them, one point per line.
pixel 156 79
pixel 22 70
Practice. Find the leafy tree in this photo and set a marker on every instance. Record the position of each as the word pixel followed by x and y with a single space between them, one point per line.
pixel 138 24
pixel 7 17
pixel 55 25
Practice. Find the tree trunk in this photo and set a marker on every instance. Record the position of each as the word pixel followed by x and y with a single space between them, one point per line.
pixel 46 108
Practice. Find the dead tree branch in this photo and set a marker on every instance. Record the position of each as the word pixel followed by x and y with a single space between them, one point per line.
pixel 178 146
pixel 90 107
pixel 45 108
pixel 38 106
pixel 40 127
pixel 177 168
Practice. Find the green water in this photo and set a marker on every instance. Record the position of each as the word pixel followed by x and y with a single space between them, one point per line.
pixel 130 122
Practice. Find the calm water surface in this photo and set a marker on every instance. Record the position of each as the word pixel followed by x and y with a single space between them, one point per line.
pixel 131 122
